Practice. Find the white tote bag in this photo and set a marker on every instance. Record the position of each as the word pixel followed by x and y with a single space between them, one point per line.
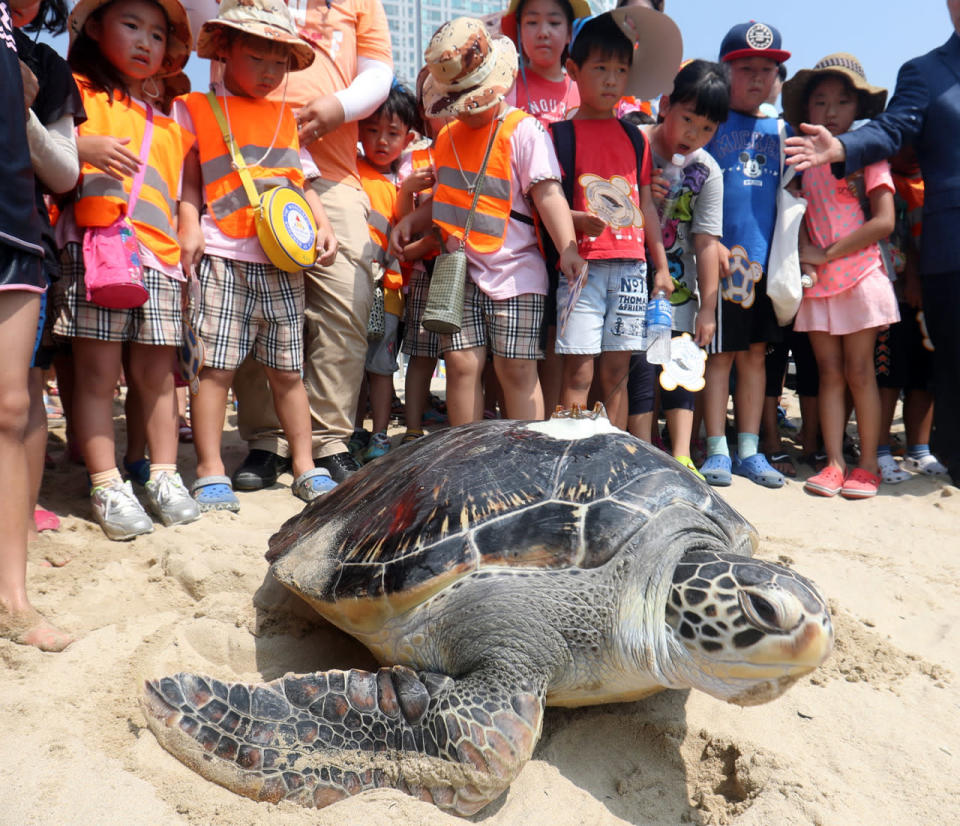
pixel 783 267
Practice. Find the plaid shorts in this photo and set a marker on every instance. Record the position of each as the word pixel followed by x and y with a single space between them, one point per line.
pixel 159 322
pixel 416 340
pixel 246 306
pixel 508 327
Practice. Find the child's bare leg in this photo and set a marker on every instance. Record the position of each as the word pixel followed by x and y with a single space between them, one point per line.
pixel 19 621
pixel 577 378
pixel 521 387
pixel 464 388
pixel 614 367
pixel 832 398
pixel 858 368
pixel 751 384
pixel 35 444
pixel 136 447
pixel 98 362
pixel 918 417
pixel 680 422
pixel 716 393
pixel 550 371
pixel 417 389
pixel 381 400
pixel 293 411
pixel 152 373
pixel 888 406
pixel 207 411
pixel 363 396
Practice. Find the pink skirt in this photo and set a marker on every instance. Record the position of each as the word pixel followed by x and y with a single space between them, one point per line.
pixel 868 303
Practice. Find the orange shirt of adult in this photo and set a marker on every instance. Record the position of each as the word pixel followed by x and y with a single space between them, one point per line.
pixel 339 33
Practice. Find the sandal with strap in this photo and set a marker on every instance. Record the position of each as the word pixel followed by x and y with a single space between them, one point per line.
pixel 827 482
pixel 860 484
pixel 890 470
pixel 687 462
pixel 215 493
pixel 757 469
pixel 312 483
pixel 716 470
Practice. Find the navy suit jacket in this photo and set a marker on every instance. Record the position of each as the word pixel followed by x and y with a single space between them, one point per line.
pixel 925 112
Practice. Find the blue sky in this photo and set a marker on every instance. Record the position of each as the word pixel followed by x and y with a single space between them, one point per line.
pixel 883 34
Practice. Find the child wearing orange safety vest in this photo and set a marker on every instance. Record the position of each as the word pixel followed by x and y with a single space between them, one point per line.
pixel 506 286
pixel 120 51
pixel 383 136
pixel 247 303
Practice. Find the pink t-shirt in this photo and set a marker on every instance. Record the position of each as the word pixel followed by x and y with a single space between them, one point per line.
pixel 518 266
pixel 547 100
pixel 833 212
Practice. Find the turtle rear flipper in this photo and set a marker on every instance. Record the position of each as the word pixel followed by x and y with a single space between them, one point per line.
pixel 314 739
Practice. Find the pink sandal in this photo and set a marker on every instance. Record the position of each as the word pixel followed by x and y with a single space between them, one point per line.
pixel 860 484
pixel 828 482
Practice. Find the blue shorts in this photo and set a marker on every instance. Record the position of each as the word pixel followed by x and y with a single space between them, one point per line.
pixel 609 314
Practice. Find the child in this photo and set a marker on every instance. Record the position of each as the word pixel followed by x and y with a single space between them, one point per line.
pixel 507 278
pixel 247 304
pixel 541 29
pixel 690 116
pixel 421 346
pixel 613 210
pixel 119 52
pixel 904 355
pixel 384 136
pixel 23 281
pixel 851 297
pixel 54 112
pixel 747 148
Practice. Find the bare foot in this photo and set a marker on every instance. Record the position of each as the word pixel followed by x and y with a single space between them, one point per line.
pixel 30 627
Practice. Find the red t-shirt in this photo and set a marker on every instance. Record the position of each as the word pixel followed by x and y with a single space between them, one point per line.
pixel 607 184
pixel 547 100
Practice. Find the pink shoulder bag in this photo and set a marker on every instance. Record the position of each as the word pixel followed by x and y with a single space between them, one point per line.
pixel 113 270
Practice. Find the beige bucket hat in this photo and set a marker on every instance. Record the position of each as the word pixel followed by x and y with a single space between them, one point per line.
pixel 794 93
pixel 269 19
pixel 470 71
pixel 179 40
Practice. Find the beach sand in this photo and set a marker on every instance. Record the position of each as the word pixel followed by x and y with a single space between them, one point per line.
pixel 872 737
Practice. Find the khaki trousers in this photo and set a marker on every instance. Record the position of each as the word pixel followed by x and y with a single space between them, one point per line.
pixel 338 302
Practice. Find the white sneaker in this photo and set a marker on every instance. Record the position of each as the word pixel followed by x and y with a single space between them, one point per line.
pixel 927 465
pixel 890 470
pixel 170 501
pixel 119 512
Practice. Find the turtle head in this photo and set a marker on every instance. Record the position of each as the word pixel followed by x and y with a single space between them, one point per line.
pixel 744 630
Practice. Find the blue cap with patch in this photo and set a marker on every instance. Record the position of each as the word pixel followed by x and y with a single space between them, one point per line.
pixel 753 39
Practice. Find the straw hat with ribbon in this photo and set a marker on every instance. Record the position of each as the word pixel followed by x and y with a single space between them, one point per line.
pixel 268 19
pixel 794 92
pixel 179 38
pixel 470 71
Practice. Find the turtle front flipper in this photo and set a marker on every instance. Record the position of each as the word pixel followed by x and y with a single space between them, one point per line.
pixel 314 739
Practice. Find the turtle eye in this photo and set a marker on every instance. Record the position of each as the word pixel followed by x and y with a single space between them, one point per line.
pixel 761 612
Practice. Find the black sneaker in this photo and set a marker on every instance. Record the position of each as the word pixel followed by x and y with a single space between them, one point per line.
pixel 259 470
pixel 340 465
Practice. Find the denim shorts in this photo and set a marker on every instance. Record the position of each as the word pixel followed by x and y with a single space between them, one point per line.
pixel 609 314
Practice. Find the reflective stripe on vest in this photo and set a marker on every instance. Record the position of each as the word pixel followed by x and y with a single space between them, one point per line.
pixel 253 123
pixel 382 193
pixel 101 198
pixel 454 193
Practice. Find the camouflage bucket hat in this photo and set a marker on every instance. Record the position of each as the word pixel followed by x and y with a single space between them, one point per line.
pixel 269 19
pixel 179 38
pixel 470 71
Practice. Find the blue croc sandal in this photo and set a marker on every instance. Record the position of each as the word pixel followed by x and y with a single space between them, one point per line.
pixel 758 470
pixel 716 470
pixel 316 481
pixel 215 493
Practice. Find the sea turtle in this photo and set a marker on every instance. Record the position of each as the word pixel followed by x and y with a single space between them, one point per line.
pixel 494 569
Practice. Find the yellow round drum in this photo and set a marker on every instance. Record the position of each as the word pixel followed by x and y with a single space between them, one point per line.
pixel 286 229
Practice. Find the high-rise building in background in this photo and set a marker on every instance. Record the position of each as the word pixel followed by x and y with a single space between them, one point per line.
pixel 412 24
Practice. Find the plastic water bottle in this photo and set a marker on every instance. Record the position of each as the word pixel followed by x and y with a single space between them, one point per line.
pixel 659 328
pixel 674 177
